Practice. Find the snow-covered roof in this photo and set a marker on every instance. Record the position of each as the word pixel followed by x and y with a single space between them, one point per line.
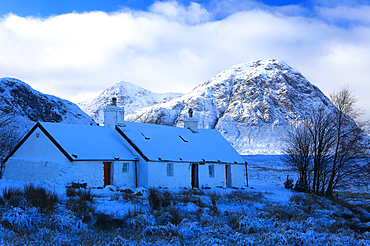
pixel 166 143
pixel 84 142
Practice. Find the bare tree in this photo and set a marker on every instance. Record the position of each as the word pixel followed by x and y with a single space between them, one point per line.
pixel 308 150
pixel 297 153
pixel 9 137
pixel 351 144
pixel 334 143
pixel 321 134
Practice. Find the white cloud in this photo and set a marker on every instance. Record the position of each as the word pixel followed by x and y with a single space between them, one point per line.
pixel 357 15
pixel 173 47
pixel 173 11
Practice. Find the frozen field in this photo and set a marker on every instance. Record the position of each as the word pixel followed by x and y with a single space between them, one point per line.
pixel 265 213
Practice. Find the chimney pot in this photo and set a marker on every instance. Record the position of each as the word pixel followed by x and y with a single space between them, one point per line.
pixel 114 101
pixel 190 122
pixel 190 113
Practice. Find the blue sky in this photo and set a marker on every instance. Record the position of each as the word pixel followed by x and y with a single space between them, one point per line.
pixel 46 8
pixel 76 49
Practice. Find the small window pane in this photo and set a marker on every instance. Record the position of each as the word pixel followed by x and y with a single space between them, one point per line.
pixel 125 167
pixel 211 170
pixel 170 169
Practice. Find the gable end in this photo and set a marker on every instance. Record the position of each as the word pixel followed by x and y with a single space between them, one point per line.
pixel 38 125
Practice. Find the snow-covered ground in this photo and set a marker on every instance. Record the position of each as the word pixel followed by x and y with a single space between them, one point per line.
pixel 265 213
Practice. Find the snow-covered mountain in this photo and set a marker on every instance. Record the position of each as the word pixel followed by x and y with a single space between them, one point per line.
pixel 129 96
pixel 26 106
pixel 251 104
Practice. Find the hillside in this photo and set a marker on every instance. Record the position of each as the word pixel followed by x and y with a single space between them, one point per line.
pixel 21 107
pixel 251 104
pixel 27 105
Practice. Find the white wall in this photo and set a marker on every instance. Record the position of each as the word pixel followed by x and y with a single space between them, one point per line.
pixel 58 171
pixel 219 179
pixel 182 175
pixel 38 147
pixel 90 172
pixel 121 178
pixel 238 175
pixel 158 175
pixel 50 170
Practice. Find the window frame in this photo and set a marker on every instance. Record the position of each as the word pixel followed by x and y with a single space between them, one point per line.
pixel 211 170
pixel 169 169
pixel 127 167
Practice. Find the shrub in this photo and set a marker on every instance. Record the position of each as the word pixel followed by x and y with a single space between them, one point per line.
pixel 214 208
pixel 289 183
pixel 81 208
pixel 21 221
pixel 215 195
pixel 284 213
pixel 176 217
pixel 107 222
pixel 2 201
pixel 278 211
pixel 167 198
pixel 128 195
pixel 14 196
pixel 70 191
pixel 154 199
pixel 300 186
pixel 132 212
pixel 33 196
pixel 85 195
pixel 40 198
pixel 139 221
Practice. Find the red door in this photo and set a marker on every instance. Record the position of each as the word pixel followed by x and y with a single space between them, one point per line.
pixel 107 173
pixel 228 176
pixel 194 176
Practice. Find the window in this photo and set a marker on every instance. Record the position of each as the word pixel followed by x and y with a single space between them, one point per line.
pixel 211 171
pixel 125 167
pixel 170 169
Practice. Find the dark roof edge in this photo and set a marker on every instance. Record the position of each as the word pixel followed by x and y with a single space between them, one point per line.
pixel 110 160
pixel 132 144
pixel 38 125
pixel 21 142
pixel 206 162
pixel 55 143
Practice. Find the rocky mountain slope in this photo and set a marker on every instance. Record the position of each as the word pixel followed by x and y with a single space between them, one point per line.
pixel 129 96
pixel 251 104
pixel 21 106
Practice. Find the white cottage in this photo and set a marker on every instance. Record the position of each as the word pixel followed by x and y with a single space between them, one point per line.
pixel 125 153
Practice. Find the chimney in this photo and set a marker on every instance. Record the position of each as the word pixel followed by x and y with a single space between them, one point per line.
pixel 190 122
pixel 113 114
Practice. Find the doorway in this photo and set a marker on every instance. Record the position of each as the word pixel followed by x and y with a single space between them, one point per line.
pixel 194 175
pixel 107 167
pixel 228 176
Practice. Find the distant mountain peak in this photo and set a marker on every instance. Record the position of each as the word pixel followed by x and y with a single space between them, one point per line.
pixel 130 96
pixel 251 104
